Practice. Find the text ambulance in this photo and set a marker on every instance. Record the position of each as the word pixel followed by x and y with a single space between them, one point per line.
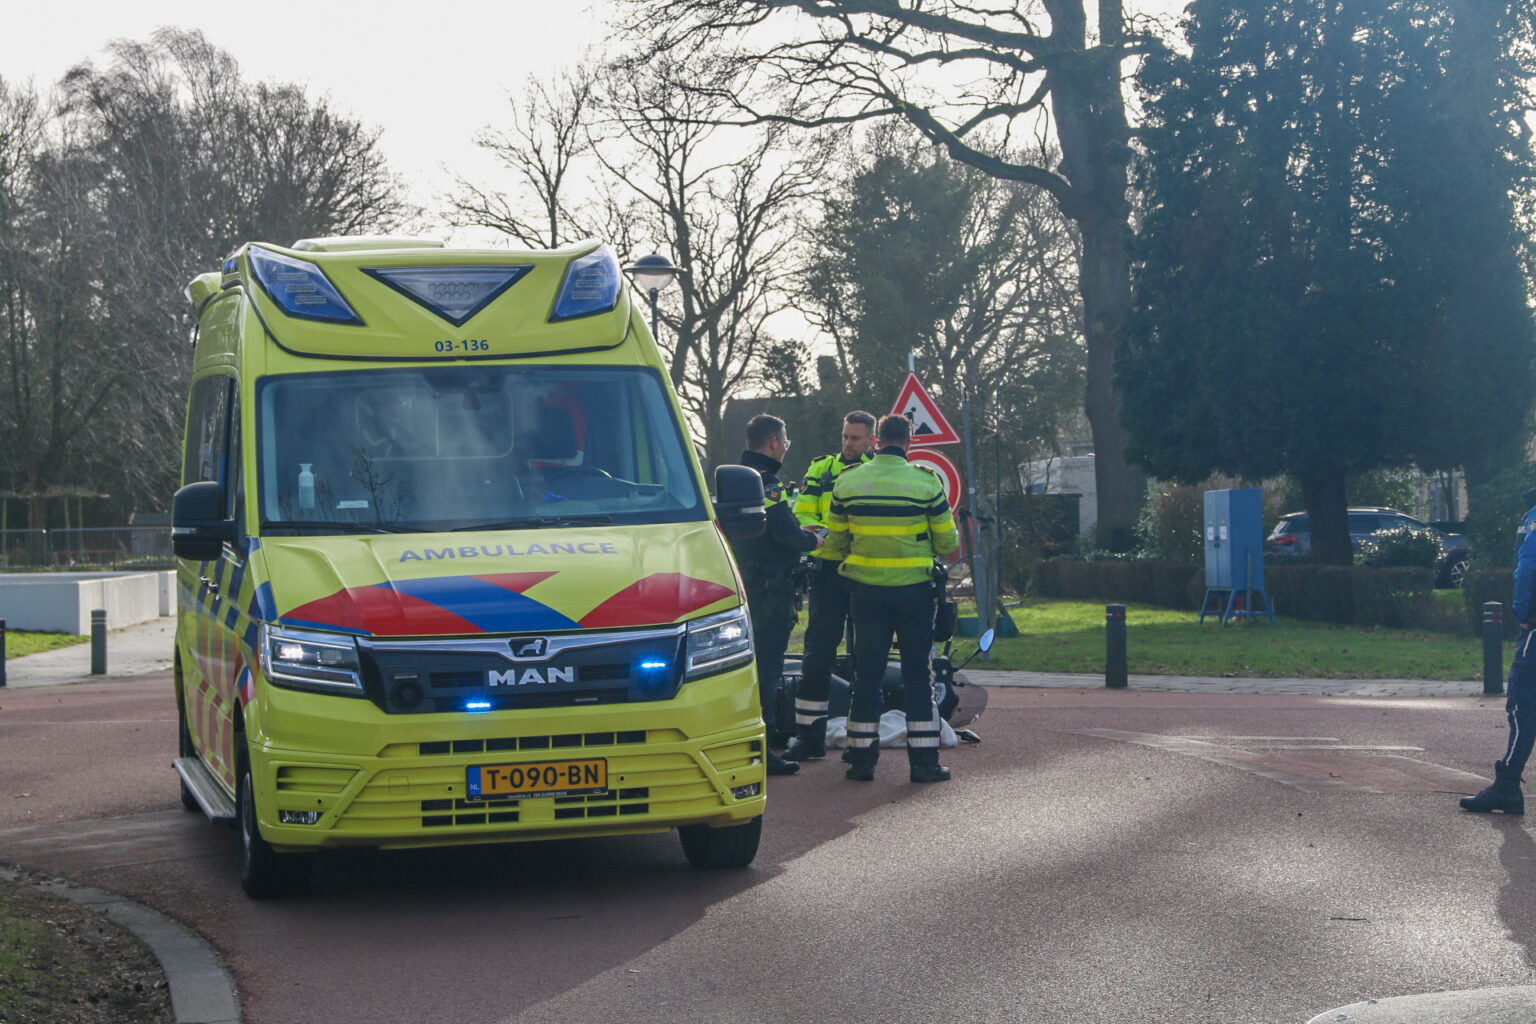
pixel 449 571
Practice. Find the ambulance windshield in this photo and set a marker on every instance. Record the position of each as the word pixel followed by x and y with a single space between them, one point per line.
pixel 466 446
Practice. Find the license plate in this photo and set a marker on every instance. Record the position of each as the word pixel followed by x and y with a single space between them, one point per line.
pixel 539 778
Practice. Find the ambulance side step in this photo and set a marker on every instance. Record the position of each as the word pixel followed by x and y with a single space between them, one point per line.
pixel 215 803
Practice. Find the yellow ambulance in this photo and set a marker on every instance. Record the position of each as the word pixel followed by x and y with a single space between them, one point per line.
pixel 448 569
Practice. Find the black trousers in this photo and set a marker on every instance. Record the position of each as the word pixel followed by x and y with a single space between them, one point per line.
pixel 879 613
pixel 1520 704
pixel 772 609
pixel 825 620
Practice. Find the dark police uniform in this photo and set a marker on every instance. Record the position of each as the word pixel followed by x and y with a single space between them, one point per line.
pixel 889 519
pixel 827 614
pixel 767 566
pixel 1520 704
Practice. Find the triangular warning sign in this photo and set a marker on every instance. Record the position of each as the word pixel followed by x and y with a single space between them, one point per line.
pixel 928 424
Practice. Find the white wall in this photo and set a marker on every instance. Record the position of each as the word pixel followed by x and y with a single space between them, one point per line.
pixel 63 602
pixel 1067 474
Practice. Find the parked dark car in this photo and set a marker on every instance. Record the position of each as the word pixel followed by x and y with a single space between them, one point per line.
pixel 1292 535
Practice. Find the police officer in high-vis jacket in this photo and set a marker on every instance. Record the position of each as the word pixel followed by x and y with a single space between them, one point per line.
pixel 828 610
pixel 888 520
pixel 767 568
pixel 1520 704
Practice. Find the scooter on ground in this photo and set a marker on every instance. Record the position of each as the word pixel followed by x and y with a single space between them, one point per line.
pixel 947 684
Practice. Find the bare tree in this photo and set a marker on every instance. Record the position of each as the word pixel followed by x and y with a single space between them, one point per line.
pixel 1000 69
pixel 727 200
pixel 973 275
pixel 543 150
pixel 610 156
pixel 147 173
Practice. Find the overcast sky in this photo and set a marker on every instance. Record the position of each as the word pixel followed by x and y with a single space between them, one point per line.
pixel 430 74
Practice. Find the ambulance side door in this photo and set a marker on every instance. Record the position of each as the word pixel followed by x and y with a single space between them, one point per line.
pixel 211 688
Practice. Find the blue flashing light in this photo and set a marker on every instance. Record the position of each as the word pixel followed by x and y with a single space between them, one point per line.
pixel 652 666
pixel 477 705
pixel 591 286
pixel 300 289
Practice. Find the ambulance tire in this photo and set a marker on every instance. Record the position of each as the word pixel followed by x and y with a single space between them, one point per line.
pixel 185 749
pixel 264 873
pixel 734 846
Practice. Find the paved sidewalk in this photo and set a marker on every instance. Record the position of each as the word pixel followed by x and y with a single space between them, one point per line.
pixel 131 651
pixel 1225 684
pixel 148 647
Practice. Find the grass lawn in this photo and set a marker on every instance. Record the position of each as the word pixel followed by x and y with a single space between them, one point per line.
pixel 18 643
pixel 1068 636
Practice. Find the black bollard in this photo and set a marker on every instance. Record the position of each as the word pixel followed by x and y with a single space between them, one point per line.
pixel 1493 649
pixel 99 642
pixel 1115 674
pixel 2 652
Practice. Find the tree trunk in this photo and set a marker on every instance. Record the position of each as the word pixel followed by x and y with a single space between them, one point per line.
pixel 1090 118
pixel 1105 285
pixel 1323 494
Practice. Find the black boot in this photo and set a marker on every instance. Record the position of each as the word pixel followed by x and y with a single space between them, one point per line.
pixel 861 764
pixel 1504 795
pixel 778 766
pixel 809 744
pixel 929 773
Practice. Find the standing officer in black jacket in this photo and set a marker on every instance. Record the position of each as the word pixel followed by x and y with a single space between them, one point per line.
pixel 767 566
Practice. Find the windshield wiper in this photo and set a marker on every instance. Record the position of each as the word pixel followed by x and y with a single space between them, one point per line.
pixel 537 523
pixel 301 524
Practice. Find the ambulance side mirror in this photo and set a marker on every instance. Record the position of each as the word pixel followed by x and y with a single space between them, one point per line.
pixel 739 502
pixel 198 527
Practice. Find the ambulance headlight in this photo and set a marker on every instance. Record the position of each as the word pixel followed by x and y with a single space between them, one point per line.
pixel 591 286
pixel 301 289
pixel 719 642
pixel 300 659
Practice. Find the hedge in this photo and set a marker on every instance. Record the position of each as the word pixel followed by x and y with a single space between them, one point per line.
pixel 1399 597
pixel 1490 585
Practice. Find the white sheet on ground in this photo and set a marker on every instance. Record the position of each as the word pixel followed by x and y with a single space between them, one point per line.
pixel 893 731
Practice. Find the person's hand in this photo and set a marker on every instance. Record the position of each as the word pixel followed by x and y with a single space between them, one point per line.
pixel 819 532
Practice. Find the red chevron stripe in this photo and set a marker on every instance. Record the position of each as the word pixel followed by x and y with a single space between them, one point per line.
pixel 660 597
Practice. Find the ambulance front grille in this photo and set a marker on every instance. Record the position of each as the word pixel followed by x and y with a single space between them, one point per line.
pixel 442 813
pixel 430 795
pixel 405 677
pixel 604 805
pixel 557 742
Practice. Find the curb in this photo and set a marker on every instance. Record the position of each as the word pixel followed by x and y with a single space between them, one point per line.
pixel 1515 1004
pixel 202 992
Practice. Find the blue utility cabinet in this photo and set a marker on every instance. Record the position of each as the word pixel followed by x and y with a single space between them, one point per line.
pixel 1234 553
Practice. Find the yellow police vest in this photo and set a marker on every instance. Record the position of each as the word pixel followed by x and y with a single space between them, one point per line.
pixel 815 497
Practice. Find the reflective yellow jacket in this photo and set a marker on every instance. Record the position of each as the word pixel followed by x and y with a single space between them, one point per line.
pixel 888 519
pixel 815 497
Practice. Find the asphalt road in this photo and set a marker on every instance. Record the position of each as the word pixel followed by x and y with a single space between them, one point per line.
pixel 1100 857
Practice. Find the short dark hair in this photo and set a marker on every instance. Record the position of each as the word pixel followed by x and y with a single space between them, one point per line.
pixel 895 429
pixel 763 428
pixel 862 417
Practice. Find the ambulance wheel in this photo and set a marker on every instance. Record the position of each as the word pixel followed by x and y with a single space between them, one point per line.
pixel 264 873
pixel 185 749
pixel 732 847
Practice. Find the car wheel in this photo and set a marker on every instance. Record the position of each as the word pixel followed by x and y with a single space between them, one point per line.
pixel 1454 573
pixel 734 846
pixel 264 873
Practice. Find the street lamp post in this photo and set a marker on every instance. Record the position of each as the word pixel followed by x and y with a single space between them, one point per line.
pixel 653 274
